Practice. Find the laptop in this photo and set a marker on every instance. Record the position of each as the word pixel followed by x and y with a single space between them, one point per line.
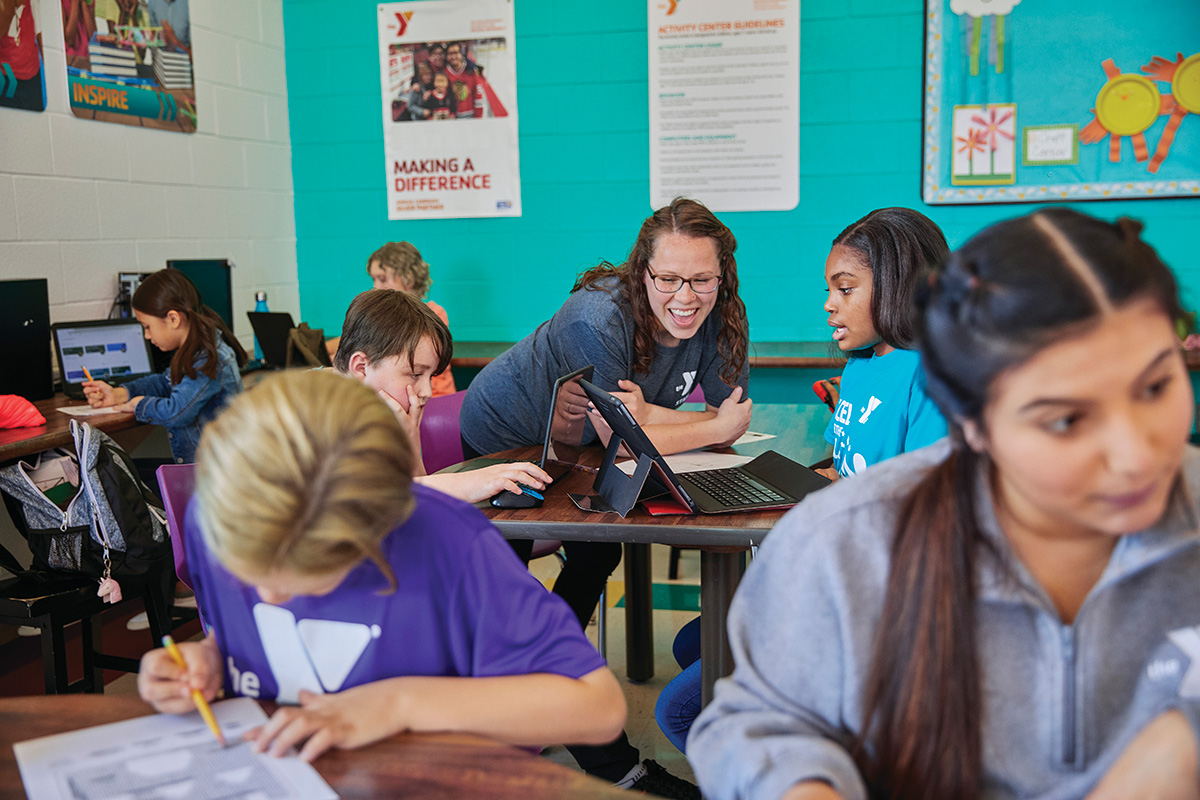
pixel 113 350
pixel 271 329
pixel 769 481
pixel 563 440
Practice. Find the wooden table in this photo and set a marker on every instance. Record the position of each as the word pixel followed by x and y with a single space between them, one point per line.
pixel 426 766
pixel 722 538
pixel 19 442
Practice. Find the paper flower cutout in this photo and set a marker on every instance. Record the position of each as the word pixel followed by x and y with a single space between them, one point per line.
pixel 993 126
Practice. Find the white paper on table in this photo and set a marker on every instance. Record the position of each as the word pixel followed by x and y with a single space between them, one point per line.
pixel 750 437
pixel 86 411
pixel 693 461
pixel 165 755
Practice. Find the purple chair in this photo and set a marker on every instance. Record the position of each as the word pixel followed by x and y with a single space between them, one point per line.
pixel 177 482
pixel 441 442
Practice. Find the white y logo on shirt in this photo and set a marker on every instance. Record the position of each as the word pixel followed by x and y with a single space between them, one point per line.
pixel 872 404
pixel 312 654
pixel 1188 640
pixel 689 380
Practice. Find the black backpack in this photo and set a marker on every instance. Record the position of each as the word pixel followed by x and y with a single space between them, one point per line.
pixel 112 526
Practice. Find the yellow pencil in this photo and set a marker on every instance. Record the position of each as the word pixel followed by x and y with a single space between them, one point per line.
pixel 201 704
pixel 89 375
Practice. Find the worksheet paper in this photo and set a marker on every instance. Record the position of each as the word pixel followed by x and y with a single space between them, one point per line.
pixel 693 461
pixel 86 411
pixel 165 757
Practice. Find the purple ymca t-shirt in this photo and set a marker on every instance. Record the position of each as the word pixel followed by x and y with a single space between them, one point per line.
pixel 464 606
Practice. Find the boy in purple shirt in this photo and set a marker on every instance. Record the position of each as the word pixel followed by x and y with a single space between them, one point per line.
pixel 327 579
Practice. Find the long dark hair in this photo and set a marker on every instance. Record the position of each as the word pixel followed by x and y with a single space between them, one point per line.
pixel 1010 291
pixel 899 246
pixel 170 290
pixel 688 218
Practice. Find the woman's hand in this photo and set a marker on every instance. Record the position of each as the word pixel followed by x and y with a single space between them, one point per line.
pixel 631 396
pixel 345 720
pixel 1159 764
pixel 480 484
pixel 102 395
pixel 733 418
pixel 168 687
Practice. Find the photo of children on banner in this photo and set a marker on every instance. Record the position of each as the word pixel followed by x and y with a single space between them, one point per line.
pixel 130 61
pixel 22 79
pixel 445 80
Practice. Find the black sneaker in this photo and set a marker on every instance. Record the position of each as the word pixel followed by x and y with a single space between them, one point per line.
pixel 657 781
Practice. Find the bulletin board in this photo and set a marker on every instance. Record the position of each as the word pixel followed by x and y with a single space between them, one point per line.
pixel 1037 100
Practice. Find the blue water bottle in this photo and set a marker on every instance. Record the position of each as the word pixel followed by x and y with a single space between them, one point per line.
pixel 260 304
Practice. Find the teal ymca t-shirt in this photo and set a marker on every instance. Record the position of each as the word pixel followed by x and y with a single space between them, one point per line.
pixel 882 411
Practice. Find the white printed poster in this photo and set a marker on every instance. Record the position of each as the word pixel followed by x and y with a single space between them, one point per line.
pixel 448 71
pixel 725 103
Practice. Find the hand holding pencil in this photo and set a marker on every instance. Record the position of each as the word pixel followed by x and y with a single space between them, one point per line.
pixel 176 689
pixel 100 394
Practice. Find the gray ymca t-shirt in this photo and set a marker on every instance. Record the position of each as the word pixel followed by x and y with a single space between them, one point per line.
pixel 508 403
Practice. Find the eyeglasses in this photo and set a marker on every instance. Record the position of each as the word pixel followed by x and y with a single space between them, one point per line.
pixel 672 284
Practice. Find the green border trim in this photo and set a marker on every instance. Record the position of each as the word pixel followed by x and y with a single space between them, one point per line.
pixel 1025 160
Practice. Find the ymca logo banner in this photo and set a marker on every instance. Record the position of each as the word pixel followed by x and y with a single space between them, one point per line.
pixel 448 76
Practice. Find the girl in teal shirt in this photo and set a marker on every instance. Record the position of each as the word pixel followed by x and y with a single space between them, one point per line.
pixel 872 271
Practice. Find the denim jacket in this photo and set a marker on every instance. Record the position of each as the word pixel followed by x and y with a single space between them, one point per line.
pixel 184 408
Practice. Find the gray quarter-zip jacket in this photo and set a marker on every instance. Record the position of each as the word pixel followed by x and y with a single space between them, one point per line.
pixel 1060 702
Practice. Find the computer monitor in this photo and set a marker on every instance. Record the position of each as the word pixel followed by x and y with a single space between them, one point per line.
pixel 113 350
pixel 25 332
pixel 213 278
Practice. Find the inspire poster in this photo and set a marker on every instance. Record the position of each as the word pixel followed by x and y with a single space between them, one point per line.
pixel 725 103
pixel 130 62
pixel 448 73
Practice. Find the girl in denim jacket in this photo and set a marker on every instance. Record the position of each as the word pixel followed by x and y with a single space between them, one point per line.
pixel 203 373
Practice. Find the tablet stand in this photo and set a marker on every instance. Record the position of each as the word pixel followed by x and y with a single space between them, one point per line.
pixel 618 490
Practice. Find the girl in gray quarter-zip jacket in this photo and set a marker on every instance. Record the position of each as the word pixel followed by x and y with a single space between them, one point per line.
pixel 1013 611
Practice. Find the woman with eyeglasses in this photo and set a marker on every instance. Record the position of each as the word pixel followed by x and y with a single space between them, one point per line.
pixel 666 321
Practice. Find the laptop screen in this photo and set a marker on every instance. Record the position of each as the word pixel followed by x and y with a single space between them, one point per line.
pixel 113 350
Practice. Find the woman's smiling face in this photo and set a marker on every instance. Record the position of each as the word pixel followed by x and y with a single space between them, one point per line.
pixel 683 312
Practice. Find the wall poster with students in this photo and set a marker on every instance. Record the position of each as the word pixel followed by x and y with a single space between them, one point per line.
pixel 448 73
pixel 725 103
pixel 130 62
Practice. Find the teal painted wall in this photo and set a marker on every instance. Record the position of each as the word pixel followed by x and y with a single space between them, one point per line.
pixel 582 97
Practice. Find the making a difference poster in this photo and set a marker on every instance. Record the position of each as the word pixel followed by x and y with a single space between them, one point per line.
pixel 449 88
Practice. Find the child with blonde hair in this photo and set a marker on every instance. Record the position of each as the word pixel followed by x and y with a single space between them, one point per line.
pixel 306 537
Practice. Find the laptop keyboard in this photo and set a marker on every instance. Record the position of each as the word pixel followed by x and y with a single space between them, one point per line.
pixel 732 487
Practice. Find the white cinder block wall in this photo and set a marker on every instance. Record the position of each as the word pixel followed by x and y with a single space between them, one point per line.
pixel 82 200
